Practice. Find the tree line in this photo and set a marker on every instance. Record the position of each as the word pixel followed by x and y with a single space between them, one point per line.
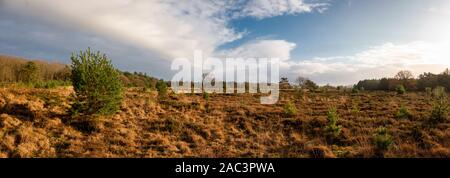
pixel 14 69
pixel 406 80
pixel 38 73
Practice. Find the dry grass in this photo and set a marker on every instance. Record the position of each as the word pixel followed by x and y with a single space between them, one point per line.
pixel 34 123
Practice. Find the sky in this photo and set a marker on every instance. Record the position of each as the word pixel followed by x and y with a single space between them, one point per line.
pixel 337 42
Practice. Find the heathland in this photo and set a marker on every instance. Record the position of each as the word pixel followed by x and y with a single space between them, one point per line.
pixel 35 121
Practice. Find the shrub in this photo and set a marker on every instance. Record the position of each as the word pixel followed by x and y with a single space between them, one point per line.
pixel 382 140
pixel 206 95
pixel 403 113
pixel 98 89
pixel 290 109
pixel 161 87
pixel 355 108
pixel 310 85
pixel 29 72
pixel 332 130
pixel 441 107
pixel 355 89
pixel 400 89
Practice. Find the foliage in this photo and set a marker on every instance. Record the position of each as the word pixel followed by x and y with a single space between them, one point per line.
pixel 355 108
pixel 96 83
pixel 400 89
pixel 382 140
pixel 290 109
pixel 368 84
pixel 403 113
pixel 441 106
pixel 51 84
pixel 206 95
pixel 13 69
pixel 161 87
pixel 355 89
pixel 405 78
pixel 305 83
pixel 137 79
pixel 29 73
pixel 332 130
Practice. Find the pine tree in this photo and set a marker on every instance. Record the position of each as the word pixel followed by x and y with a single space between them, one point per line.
pixel 96 83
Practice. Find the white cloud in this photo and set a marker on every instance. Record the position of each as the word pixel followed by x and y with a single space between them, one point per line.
pixel 377 62
pixel 153 25
pixel 269 8
pixel 170 28
pixel 280 49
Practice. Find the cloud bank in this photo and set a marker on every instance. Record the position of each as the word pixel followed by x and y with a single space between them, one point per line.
pixel 145 35
pixel 171 28
pixel 377 62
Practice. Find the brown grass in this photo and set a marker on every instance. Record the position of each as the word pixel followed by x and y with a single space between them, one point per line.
pixel 34 123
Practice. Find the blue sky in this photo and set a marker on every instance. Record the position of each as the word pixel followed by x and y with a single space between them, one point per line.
pixel 348 26
pixel 330 41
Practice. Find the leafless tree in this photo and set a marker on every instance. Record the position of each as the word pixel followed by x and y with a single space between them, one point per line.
pixel 301 81
pixel 404 75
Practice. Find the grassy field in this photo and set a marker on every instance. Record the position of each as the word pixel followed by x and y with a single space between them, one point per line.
pixel 35 123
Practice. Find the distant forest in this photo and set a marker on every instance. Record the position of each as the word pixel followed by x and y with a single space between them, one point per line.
pixel 19 70
pixel 405 79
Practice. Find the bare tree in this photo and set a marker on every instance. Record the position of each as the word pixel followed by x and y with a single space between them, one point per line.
pixel 306 83
pixel 301 81
pixel 404 75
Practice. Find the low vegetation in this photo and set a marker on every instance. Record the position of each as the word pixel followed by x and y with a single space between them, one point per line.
pixel 403 113
pixel 333 130
pixel 382 140
pixel 154 122
pixel 441 106
pixel 290 109
pixel 161 87
pixel 400 89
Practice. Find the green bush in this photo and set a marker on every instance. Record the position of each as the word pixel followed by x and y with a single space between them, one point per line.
pixel 206 96
pixel 355 108
pixel 161 87
pixel 355 89
pixel 96 83
pixel 403 113
pixel 382 140
pixel 400 89
pixel 441 106
pixel 29 73
pixel 290 109
pixel 332 130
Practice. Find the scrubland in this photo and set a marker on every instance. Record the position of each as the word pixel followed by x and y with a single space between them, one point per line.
pixel 36 123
